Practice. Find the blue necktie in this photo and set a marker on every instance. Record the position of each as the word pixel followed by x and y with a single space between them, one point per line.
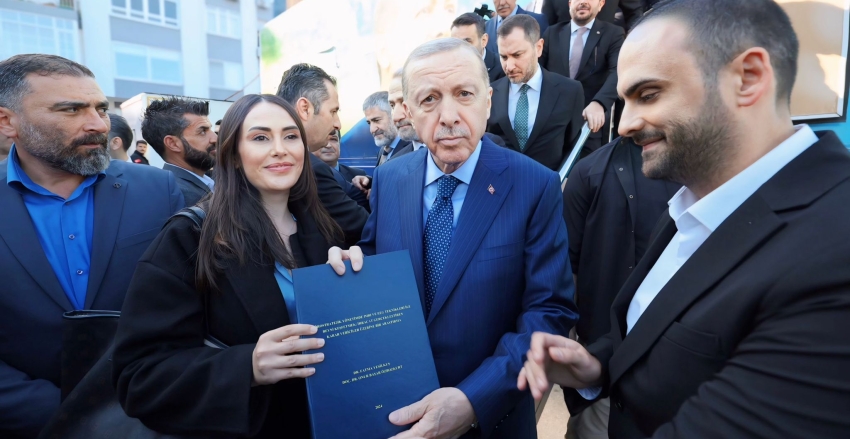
pixel 438 237
pixel 521 117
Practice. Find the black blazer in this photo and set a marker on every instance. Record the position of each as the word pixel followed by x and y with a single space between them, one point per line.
pixel 558 123
pixel 749 337
pixel 490 28
pixel 350 215
pixel 598 70
pixel 494 65
pixel 558 11
pixel 163 373
pixel 192 188
pixel 349 172
pixel 139 158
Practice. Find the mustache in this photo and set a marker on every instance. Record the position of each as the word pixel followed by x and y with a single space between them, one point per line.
pixel 90 139
pixel 641 137
pixel 444 133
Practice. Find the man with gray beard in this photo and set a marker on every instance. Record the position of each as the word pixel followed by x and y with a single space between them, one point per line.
pixel 378 114
pixel 56 189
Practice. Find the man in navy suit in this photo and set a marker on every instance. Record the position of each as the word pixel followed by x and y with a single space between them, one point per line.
pixel 483 227
pixel 505 9
pixel 74 225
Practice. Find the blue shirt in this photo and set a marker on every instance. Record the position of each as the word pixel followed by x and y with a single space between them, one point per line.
pixel 464 174
pixel 284 281
pixel 64 227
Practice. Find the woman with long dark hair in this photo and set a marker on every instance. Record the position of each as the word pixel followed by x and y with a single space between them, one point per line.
pixel 230 280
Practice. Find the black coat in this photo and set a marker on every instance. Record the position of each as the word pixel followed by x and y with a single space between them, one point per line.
pixel 165 376
pixel 598 70
pixel 494 65
pixel 138 158
pixel 345 210
pixel 558 123
pixel 191 186
pixel 749 338
pixel 349 172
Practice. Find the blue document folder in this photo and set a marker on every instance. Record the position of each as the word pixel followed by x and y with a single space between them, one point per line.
pixel 377 355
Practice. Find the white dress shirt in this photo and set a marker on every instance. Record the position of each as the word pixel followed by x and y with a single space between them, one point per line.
pixel 696 219
pixel 533 93
pixel 574 33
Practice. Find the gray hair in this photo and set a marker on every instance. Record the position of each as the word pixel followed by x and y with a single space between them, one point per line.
pixel 379 100
pixel 14 71
pixel 441 45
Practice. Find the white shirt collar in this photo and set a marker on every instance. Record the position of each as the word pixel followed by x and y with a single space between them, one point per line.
pixel 203 178
pixel 574 27
pixel 484 54
pixel 463 173
pixel 536 82
pixel 714 208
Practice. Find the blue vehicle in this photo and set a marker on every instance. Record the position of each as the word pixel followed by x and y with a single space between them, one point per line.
pixel 357 148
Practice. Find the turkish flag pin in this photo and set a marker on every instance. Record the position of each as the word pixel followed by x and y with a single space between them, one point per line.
pixel 491 190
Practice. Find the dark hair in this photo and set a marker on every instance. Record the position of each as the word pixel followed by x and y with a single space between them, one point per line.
pixel 720 30
pixel 527 23
pixel 470 18
pixel 141 141
pixel 307 81
pixel 118 128
pixel 165 118
pixel 237 225
pixel 14 71
pixel 218 122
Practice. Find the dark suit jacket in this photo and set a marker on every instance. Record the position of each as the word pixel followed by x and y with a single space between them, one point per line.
pixel 131 203
pixel 558 11
pixel 512 244
pixel 598 70
pixel 138 158
pixel 749 337
pixel 346 211
pixel 490 27
pixel 166 377
pixel 403 147
pixel 494 65
pixel 192 188
pixel 558 123
pixel 349 173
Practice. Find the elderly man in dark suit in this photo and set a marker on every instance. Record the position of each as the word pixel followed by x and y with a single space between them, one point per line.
pixel 586 49
pixel 75 225
pixel 483 227
pixel 536 112
pixel 504 10
pixel 734 324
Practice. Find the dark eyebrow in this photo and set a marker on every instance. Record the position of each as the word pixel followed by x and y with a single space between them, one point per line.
pixel 78 104
pixel 634 87
pixel 267 129
pixel 203 127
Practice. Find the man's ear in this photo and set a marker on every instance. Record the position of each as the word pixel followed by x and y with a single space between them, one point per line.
pixel 485 39
pixel 754 76
pixel 115 143
pixel 8 120
pixel 304 108
pixel 539 47
pixel 173 144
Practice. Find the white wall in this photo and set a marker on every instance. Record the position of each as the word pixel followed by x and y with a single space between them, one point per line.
pixel 193 42
pixel 250 45
pixel 97 50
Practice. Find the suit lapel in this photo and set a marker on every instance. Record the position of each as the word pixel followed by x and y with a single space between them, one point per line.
pixel 500 103
pixel 187 176
pixel 19 234
pixel 564 37
pixel 622 159
pixel 410 215
pixel 108 200
pixel 479 210
pixel 590 46
pixel 747 227
pixel 257 289
pixel 549 95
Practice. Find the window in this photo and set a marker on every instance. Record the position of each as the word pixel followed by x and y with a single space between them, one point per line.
pixel 154 11
pixel 225 75
pixel 224 22
pixel 22 32
pixel 142 63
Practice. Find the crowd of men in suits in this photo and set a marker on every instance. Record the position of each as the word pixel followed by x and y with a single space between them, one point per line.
pixel 712 322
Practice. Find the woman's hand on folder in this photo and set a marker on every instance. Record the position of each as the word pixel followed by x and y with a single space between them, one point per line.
pixel 336 256
pixel 272 361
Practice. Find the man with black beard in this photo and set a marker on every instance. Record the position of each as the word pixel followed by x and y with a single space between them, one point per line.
pixel 734 324
pixel 75 225
pixel 180 132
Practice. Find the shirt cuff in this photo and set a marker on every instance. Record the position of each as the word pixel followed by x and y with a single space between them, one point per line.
pixel 590 393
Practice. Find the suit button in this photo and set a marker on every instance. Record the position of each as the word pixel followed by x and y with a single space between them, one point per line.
pixel 619 405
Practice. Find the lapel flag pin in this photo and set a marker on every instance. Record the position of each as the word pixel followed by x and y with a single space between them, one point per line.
pixel 491 190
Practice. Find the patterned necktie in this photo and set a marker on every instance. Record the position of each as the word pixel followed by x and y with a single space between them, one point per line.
pixel 578 49
pixel 521 117
pixel 438 237
pixel 385 155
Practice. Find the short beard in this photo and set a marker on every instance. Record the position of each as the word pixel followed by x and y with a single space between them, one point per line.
pixel 48 145
pixel 695 148
pixel 408 134
pixel 197 159
pixel 525 78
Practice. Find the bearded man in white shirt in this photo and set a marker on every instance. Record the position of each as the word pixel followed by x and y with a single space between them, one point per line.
pixel 735 322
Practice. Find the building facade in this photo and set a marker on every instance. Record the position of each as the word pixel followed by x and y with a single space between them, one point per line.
pixel 201 48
